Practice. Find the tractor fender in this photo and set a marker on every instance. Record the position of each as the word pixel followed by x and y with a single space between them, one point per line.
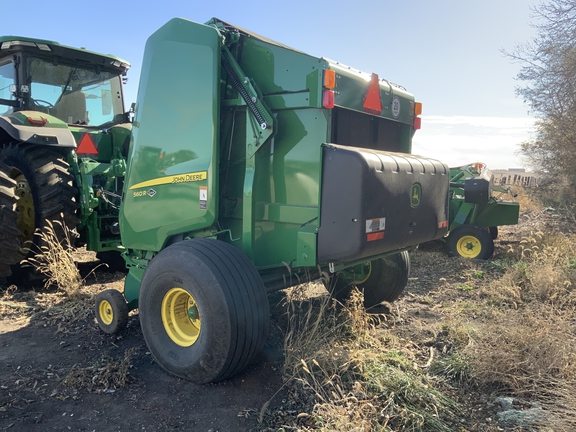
pixel 33 127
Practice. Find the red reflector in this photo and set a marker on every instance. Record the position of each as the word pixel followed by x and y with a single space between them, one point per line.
pixel 375 236
pixel 417 123
pixel 86 146
pixel 328 99
pixel 443 224
pixel 372 100
pixel 40 121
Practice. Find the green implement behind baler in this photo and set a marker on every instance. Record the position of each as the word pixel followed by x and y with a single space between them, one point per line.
pixel 253 167
pixel 476 211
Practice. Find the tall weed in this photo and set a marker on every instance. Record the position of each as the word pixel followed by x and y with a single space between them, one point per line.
pixel 55 259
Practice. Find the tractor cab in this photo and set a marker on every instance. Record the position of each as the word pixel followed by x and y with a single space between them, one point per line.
pixel 76 86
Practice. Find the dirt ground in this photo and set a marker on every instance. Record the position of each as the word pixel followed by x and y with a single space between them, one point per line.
pixel 58 371
pixel 42 342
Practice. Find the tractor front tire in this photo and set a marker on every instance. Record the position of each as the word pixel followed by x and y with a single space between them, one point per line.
pixel 9 232
pixel 386 279
pixel 111 311
pixel 203 310
pixel 470 241
pixel 44 191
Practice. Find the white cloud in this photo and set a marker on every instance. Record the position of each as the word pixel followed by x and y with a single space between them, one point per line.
pixel 458 140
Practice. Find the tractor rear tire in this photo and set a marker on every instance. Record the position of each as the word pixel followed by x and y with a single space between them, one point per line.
pixel 387 278
pixel 44 191
pixel 470 241
pixel 9 233
pixel 111 311
pixel 203 310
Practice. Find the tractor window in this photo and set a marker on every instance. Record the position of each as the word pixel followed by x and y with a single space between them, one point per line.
pixel 74 94
pixel 6 80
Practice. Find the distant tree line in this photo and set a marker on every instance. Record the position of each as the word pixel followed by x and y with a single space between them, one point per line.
pixel 548 86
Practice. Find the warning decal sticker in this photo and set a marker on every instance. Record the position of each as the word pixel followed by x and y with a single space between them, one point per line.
pixel 375 225
pixel 203 197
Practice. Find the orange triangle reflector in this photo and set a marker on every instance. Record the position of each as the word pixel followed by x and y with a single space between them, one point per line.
pixel 86 145
pixel 372 100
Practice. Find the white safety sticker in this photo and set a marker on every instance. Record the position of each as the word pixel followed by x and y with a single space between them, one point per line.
pixel 375 225
pixel 203 197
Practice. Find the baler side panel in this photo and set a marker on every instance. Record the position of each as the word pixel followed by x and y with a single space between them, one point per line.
pixel 286 186
pixel 283 73
pixel 172 178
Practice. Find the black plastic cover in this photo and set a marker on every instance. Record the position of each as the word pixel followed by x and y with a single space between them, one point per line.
pixel 478 190
pixel 374 202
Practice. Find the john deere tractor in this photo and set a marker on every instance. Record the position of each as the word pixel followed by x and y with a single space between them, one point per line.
pixel 64 135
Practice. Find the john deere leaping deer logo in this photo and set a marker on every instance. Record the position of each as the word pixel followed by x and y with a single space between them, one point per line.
pixel 416 195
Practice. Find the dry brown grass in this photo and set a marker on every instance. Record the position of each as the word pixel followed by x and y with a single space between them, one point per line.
pixel 353 375
pixel 525 352
pixel 526 198
pixel 530 353
pixel 55 259
pixel 542 268
pixel 520 337
pixel 105 374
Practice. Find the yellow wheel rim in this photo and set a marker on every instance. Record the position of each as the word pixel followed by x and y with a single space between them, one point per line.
pixel 25 206
pixel 106 312
pixel 469 247
pixel 180 317
pixel 367 273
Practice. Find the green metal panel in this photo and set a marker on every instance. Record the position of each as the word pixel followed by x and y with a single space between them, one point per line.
pixel 497 213
pixel 351 87
pixel 132 286
pixel 286 186
pixel 286 78
pixel 173 157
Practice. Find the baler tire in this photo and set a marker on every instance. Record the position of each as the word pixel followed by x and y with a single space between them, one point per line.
pixel 493 232
pixel 111 311
pixel 44 191
pixel 9 232
pixel 203 310
pixel 386 281
pixel 470 241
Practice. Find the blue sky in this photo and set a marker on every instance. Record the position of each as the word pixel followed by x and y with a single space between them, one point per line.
pixel 446 52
